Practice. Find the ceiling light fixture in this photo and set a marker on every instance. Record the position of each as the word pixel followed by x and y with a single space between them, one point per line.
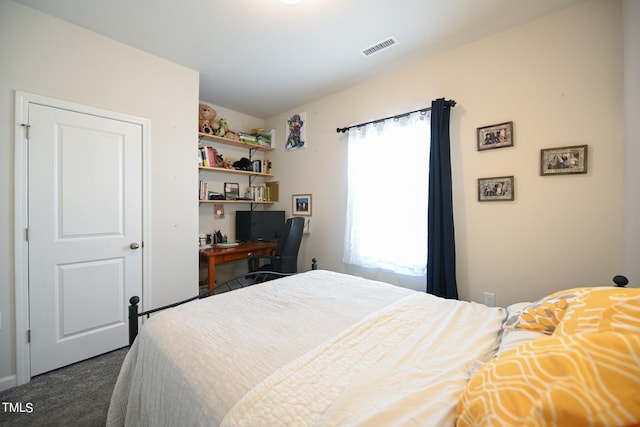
pixel 290 1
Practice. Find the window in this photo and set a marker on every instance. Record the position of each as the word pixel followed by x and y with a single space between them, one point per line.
pixel 388 176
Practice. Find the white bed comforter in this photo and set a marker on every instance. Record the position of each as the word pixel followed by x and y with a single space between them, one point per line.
pixel 319 348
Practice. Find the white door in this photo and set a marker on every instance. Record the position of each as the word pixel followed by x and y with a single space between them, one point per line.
pixel 84 233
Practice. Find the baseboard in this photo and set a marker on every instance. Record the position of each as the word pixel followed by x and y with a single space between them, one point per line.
pixel 8 382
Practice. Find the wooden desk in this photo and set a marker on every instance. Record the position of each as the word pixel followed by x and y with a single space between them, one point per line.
pixel 217 255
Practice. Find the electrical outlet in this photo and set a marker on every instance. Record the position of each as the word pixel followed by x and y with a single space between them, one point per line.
pixel 489 299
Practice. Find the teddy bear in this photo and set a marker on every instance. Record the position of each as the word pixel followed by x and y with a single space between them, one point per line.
pixel 232 135
pixel 207 123
pixel 205 127
pixel 210 126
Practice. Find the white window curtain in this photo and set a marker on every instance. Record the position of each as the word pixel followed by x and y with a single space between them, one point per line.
pixel 388 176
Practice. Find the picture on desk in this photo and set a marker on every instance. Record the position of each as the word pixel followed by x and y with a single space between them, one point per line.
pixel 231 190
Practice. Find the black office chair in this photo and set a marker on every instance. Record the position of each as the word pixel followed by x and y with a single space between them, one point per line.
pixel 284 258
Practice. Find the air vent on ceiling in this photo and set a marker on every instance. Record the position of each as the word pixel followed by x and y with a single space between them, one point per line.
pixel 379 46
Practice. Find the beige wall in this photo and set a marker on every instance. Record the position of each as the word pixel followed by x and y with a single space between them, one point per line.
pixel 559 79
pixel 48 57
pixel 631 13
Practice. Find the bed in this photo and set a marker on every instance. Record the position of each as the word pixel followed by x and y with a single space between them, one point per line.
pixel 324 348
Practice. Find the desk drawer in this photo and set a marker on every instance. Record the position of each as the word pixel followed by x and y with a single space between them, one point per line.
pixel 235 256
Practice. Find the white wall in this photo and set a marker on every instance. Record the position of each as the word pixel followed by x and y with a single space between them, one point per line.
pixel 559 79
pixel 45 56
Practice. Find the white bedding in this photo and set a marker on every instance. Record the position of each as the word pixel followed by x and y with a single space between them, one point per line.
pixel 318 348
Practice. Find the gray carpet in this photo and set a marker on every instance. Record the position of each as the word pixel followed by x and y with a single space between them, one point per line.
pixel 76 395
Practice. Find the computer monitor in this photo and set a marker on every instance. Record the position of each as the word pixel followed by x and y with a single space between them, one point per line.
pixel 259 225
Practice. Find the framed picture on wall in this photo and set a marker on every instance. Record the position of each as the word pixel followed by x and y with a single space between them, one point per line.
pixel 218 211
pixel 301 204
pixel 231 190
pixel 495 189
pixel 563 160
pixel 495 136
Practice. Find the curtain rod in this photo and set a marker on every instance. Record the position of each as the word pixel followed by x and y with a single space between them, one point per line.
pixel 448 103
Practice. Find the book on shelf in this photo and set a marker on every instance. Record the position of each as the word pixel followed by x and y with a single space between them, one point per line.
pixel 203 190
pixel 267 192
pixel 202 157
pixel 207 157
pixel 261 166
pixel 258 137
pixel 211 157
pixel 248 138
pixel 272 190
pixel 266 138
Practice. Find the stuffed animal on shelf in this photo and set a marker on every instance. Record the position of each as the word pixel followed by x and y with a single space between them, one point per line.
pixel 205 127
pixel 222 128
pixel 218 159
pixel 243 164
pixel 207 117
pixel 232 135
pixel 210 126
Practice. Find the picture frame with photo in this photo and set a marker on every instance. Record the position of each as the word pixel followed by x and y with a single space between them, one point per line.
pixel 563 160
pixel 496 189
pixel 301 204
pixel 495 136
pixel 231 190
pixel 218 211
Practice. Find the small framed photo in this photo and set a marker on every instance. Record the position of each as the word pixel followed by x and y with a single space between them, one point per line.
pixel 231 190
pixel 218 211
pixel 495 136
pixel 495 189
pixel 301 204
pixel 563 160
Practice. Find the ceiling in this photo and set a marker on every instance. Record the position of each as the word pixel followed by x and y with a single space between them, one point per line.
pixel 264 57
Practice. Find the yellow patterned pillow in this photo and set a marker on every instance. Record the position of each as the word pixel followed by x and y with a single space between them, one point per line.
pixel 609 309
pixel 573 380
pixel 545 314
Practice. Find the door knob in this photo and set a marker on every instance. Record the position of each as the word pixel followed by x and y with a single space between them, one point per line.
pixel 134 245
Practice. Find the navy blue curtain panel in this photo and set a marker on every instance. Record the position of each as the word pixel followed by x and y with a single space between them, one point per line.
pixel 441 258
